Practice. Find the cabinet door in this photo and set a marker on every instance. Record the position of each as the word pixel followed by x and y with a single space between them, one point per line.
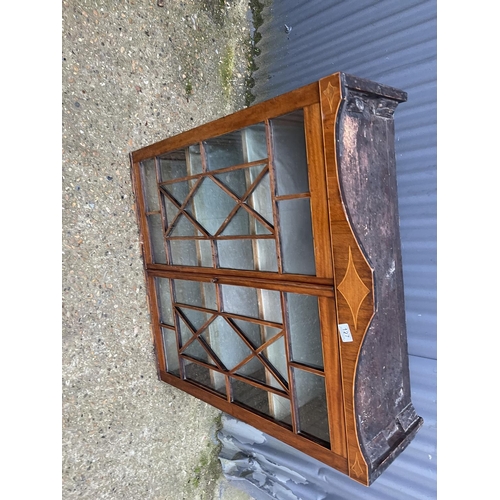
pixel 239 265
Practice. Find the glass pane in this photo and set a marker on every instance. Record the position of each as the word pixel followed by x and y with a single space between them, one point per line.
pixel 297 247
pixel 260 199
pixel 150 185
pixel 311 399
pixel 290 158
pixel 271 305
pixel 239 181
pixel 195 350
pixel 195 163
pixel 170 209
pixel 254 142
pixel 270 404
pixel 276 355
pixel 251 331
pixel 210 205
pixel 191 253
pixel 304 326
pixel 251 396
pixel 254 370
pixel 179 190
pixel 239 224
pixel 244 301
pixel 155 226
pixel 196 318
pixel 170 349
pixel 185 332
pixel 266 258
pixel 195 293
pixel 224 151
pixel 226 343
pixel 173 165
pixel 164 300
pixel 244 224
pixel 235 254
pixel 209 378
pixel 184 227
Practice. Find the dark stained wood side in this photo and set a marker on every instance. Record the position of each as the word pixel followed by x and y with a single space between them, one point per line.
pixel 367 177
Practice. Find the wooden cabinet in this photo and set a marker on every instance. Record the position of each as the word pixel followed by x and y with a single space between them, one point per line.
pixel 272 257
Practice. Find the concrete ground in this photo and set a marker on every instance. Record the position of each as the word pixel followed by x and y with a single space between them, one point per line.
pixel 132 73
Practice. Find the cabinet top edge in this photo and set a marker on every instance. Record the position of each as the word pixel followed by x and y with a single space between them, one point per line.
pixel 371 87
pixel 300 97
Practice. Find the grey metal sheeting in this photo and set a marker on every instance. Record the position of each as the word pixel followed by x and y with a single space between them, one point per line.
pixel 394 43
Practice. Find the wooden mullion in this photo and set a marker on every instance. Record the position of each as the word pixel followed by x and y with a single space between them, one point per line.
pixel 163 215
pixel 211 352
pixel 177 328
pixel 182 207
pixel 240 334
pixel 255 183
pixel 288 350
pixel 229 217
pixel 260 385
pixel 292 196
pixel 207 172
pixel 259 217
pixel 203 154
pixel 267 343
pixel 307 368
pixel 230 316
pixel 270 367
pixel 234 369
pixel 272 182
pixel 241 202
pixel 330 344
pixel 318 189
pixel 239 237
pixel 195 334
pixel 192 220
pixel 252 320
pixel 202 363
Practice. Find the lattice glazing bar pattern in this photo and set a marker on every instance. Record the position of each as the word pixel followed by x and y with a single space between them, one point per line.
pixel 234 341
pixel 272 254
pixel 219 203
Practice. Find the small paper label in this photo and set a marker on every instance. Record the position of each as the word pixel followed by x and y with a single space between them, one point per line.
pixel 345 332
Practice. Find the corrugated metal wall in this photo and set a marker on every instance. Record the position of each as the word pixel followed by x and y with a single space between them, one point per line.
pixel 391 42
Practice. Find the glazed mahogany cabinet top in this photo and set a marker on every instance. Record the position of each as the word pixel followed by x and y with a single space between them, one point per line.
pixel 272 257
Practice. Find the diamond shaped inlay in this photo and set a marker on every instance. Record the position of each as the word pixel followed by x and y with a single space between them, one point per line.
pixel 330 93
pixel 356 467
pixel 353 289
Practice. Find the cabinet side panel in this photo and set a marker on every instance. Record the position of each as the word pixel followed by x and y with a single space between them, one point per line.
pixel 367 178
